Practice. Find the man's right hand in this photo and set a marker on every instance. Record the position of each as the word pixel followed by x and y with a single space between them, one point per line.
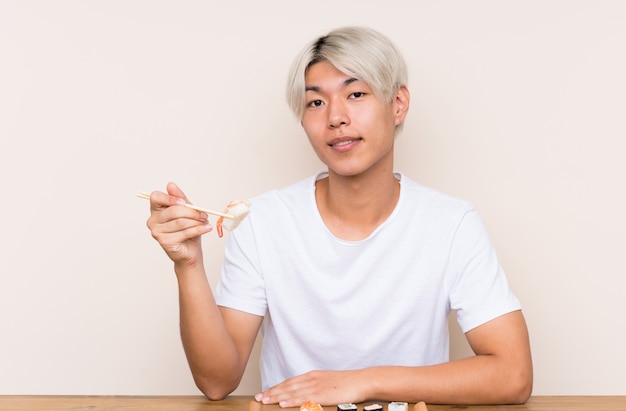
pixel 177 228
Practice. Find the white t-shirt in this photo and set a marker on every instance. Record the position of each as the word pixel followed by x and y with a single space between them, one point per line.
pixel 334 304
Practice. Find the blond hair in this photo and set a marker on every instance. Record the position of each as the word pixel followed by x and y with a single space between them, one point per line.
pixel 359 52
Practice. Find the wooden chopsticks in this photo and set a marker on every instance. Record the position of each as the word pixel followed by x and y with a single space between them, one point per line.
pixel 146 196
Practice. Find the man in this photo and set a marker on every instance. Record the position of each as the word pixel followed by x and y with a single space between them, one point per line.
pixel 352 272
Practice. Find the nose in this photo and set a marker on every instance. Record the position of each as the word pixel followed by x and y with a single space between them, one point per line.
pixel 337 114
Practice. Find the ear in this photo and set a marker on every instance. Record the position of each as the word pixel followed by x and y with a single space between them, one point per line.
pixel 401 102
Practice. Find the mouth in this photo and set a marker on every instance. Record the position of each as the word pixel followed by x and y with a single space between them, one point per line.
pixel 344 141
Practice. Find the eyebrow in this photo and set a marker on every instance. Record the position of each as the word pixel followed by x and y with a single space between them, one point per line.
pixel 346 82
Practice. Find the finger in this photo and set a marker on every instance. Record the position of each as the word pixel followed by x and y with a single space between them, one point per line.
pixel 182 223
pixel 173 239
pixel 163 211
pixel 170 225
pixel 290 393
pixel 175 191
pixel 160 200
pixel 181 236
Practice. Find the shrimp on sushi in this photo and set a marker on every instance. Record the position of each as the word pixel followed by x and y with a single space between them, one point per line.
pixel 238 209
pixel 311 406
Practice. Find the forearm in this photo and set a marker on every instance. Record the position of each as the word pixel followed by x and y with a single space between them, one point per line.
pixel 483 379
pixel 210 350
pixel 477 380
pixel 500 373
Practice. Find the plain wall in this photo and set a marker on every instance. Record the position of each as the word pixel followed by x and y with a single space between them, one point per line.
pixel 517 106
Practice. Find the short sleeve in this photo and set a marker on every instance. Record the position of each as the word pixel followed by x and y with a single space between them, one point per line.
pixel 481 291
pixel 241 284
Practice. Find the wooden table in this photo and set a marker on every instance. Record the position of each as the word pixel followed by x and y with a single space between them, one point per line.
pixel 243 403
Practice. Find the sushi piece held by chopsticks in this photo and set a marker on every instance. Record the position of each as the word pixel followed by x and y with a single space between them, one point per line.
pixel 239 209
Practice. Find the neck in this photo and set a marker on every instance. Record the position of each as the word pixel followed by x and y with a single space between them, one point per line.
pixel 353 207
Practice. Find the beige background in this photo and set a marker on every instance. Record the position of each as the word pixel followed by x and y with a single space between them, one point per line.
pixel 518 106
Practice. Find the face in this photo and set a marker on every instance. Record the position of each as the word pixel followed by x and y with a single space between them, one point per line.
pixel 351 131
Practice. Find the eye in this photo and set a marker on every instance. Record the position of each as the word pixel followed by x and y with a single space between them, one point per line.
pixel 314 103
pixel 357 94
